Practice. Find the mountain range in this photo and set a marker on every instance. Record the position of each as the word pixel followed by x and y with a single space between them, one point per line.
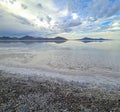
pixel 56 39
pixel 30 38
pixel 87 39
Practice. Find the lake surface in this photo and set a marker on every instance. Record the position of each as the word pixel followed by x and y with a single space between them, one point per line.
pixel 71 55
pixel 94 59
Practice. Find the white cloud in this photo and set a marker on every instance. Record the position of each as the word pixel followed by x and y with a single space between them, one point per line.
pixel 74 16
pixel 116 24
pixel 64 13
pixel 46 18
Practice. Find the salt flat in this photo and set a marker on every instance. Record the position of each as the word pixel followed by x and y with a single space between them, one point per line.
pixel 73 60
pixel 50 73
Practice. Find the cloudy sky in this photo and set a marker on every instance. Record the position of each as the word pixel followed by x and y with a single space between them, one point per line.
pixel 71 18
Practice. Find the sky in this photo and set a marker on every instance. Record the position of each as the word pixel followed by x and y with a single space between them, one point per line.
pixel 70 18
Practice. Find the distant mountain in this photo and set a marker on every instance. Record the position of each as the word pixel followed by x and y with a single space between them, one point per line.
pixel 27 38
pixel 30 38
pixel 60 38
pixel 8 38
pixel 88 39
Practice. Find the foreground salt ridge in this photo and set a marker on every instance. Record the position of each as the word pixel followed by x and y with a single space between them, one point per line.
pixel 93 81
pixel 30 93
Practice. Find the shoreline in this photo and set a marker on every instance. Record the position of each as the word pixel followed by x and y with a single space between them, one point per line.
pixel 31 93
pixel 27 92
pixel 107 81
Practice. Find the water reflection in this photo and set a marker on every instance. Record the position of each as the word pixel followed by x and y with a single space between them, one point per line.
pixel 32 41
pixel 88 41
pixel 70 55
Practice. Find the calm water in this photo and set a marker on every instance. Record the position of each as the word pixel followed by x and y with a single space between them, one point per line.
pixel 93 57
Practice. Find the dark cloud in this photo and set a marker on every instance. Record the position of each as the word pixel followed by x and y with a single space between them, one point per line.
pixel 70 23
pixel 48 19
pixel 68 26
pixel 12 1
pixel 13 25
pixel 67 30
pixel 74 23
pixel 39 5
pixel 102 8
pixel 24 6
pixel 22 20
pixel 114 9
pixel 41 19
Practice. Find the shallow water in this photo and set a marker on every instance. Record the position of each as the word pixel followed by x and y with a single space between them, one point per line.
pixel 71 55
pixel 96 63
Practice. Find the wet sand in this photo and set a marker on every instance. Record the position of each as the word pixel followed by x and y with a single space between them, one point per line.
pixel 27 93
